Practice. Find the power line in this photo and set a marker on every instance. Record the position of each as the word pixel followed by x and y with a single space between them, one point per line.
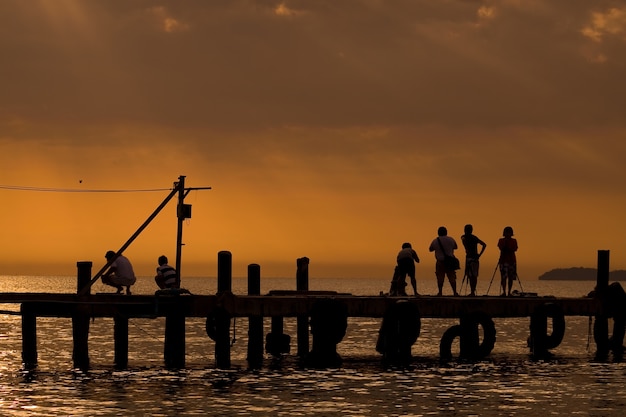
pixel 77 190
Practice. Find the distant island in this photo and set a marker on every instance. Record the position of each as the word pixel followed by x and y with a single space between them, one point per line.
pixel 581 274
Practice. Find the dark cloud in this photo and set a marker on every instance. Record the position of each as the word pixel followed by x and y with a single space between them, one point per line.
pixel 250 65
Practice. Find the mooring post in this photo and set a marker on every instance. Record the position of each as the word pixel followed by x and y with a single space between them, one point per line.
pixel 222 319
pixel 255 323
pixel 80 318
pixel 601 323
pixel 29 336
pixel 224 272
pixel 84 276
pixel 302 284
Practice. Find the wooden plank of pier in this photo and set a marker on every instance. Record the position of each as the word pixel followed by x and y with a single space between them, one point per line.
pixel 289 305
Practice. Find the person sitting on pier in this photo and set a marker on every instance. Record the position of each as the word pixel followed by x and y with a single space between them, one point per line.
pixel 507 261
pixel 166 276
pixel 471 242
pixel 120 273
pixel 406 266
pixel 444 245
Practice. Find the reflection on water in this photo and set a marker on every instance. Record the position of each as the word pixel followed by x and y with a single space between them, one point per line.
pixel 508 383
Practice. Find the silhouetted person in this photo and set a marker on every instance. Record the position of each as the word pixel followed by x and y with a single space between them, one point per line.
pixel 166 276
pixel 120 273
pixel 470 243
pixel 444 245
pixel 507 261
pixel 406 266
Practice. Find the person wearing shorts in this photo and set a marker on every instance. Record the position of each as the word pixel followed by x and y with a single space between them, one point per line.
pixel 508 261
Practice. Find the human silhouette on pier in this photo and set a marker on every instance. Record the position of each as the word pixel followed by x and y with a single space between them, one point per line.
pixel 471 242
pixel 444 245
pixel 508 261
pixel 166 275
pixel 120 273
pixel 405 266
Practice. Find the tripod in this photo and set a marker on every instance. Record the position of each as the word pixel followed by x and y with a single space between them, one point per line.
pixel 492 276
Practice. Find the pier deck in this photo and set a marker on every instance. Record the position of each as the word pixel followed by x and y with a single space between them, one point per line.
pixel 293 304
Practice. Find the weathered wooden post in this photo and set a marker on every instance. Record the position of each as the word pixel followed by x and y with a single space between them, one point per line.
pixel 255 323
pixel 174 346
pixel 222 317
pixel 29 336
pixel 302 284
pixel 601 323
pixel 120 341
pixel 80 318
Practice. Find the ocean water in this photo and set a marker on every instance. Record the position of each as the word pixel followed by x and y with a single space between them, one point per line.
pixel 507 383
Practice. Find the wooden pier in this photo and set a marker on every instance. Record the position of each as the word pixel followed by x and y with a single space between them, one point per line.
pixel 322 314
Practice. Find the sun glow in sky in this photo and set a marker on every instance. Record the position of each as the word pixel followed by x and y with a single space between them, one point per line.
pixel 332 130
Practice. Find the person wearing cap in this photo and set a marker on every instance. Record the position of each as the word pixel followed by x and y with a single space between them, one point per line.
pixel 507 262
pixel 166 276
pixel 120 273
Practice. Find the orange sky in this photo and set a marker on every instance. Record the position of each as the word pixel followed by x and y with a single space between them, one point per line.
pixel 333 130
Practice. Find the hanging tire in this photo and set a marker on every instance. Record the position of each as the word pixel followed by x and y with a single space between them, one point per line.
pixel 540 340
pixel 445 346
pixel 489 333
pixel 215 316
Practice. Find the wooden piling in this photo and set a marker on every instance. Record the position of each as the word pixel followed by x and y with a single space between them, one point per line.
pixel 80 336
pixel 29 336
pixel 80 318
pixel 601 323
pixel 174 347
pixel 302 284
pixel 222 317
pixel 84 276
pixel 120 341
pixel 224 271
pixel 255 323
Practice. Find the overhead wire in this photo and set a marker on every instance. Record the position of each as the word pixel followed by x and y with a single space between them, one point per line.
pixel 77 190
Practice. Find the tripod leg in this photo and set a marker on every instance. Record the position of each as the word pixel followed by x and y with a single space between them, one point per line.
pixel 492 276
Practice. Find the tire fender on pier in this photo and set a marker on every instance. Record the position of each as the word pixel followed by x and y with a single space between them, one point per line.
pixel 467 332
pixel 540 341
pixel 214 320
pixel 399 330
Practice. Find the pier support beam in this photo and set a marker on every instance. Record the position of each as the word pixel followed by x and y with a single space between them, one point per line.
pixel 302 284
pixel 80 318
pixel 29 336
pixel 80 334
pixel 255 323
pixel 174 349
pixel 222 317
pixel 601 323
pixel 120 341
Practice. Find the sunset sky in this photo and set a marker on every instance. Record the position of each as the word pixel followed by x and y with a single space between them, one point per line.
pixel 335 130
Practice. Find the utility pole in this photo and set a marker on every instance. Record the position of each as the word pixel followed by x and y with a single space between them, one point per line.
pixel 182 213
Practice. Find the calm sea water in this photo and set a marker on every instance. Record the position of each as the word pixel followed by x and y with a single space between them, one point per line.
pixel 507 383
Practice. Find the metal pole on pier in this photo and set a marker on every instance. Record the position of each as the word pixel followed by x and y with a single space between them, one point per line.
pixel 180 214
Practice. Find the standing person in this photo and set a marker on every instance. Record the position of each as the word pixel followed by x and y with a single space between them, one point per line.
pixel 120 273
pixel 471 242
pixel 406 266
pixel 508 260
pixel 444 245
pixel 166 276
